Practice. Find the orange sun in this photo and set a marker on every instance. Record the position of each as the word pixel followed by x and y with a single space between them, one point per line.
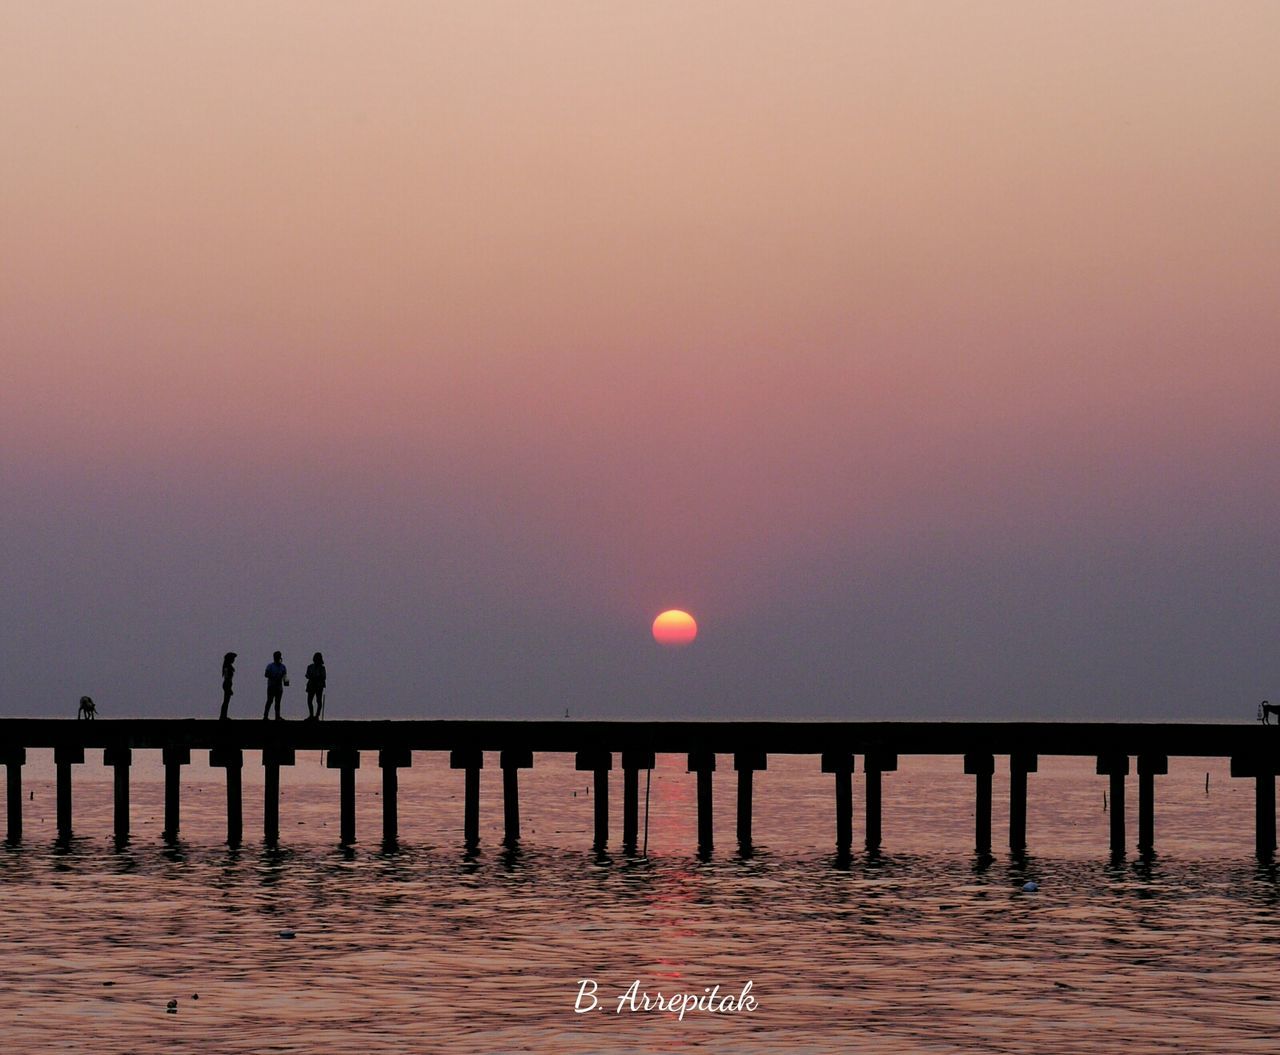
pixel 674 627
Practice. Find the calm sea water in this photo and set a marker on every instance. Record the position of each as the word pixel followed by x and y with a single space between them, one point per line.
pixel 426 951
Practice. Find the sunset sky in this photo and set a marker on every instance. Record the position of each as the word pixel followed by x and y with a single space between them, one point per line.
pixel 928 353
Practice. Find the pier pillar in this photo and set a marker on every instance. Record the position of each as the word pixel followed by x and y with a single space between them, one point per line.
pixel 600 763
pixel 1020 764
pixel 391 760
pixel 841 764
pixel 1263 769
pixel 874 764
pixel 232 760
pixel 632 763
pixel 1149 767
pixel 745 763
pixel 512 761
pixel 120 759
pixel 981 767
pixel 704 764
pixel 63 759
pixel 1117 768
pixel 1265 814
pixel 471 761
pixel 346 760
pixel 174 759
pixel 272 759
pixel 14 758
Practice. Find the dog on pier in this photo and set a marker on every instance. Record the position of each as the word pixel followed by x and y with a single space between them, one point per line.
pixel 89 710
pixel 1266 710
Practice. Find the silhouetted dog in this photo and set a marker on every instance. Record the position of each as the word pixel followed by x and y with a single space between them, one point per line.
pixel 1265 710
pixel 89 710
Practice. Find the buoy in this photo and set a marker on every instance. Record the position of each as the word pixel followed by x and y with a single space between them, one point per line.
pixel 195 996
pixel 172 1007
pixel 286 934
pixel 1030 887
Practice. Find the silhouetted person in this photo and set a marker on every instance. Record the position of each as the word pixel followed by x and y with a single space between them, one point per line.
pixel 228 675
pixel 315 686
pixel 277 676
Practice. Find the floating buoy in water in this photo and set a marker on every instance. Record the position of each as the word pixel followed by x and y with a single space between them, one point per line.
pixel 1030 886
pixel 286 934
pixel 172 1007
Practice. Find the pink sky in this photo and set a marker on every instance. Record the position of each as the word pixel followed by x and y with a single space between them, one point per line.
pixel 536 317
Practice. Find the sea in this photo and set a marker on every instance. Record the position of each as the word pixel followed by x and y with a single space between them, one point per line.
pixel 925 948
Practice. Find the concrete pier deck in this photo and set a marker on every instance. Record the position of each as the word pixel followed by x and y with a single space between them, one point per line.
pixel 662 736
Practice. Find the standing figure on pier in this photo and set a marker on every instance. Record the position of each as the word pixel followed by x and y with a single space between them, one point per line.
pixel 277 676
pixel 228 675
pixel 315 686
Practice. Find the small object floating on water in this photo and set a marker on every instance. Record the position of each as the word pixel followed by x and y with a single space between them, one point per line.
pixel 1063 985
pixel 1030 886
pixel 195 996
pixel 287 933
pixel 172 1007
pixel 108 983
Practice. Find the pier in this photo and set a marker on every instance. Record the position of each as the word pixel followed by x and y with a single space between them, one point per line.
pixel 836 747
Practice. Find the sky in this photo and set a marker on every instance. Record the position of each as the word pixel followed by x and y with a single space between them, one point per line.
pixel 928 353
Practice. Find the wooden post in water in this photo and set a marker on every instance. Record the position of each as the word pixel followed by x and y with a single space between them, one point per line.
pixel 599 763
pixel 512 761
pixel 471 761
pixel 745 763
pixel 14 759
pixel 272 759
pixel 1265 814
pixel 703 763
pixel 346 760
pixel 391 760
pixel 63 759
pixel 174 759
pixel 632 763
pixel 872 800
pixel 270 801
pixel 1020 764
pixel 1117 768
pixel 601 783
pixel 981 766
pixel 1149 767
pixel 232 760
pixel 875 763
pixel 1263 769
pixel 841 764
pixel 120 759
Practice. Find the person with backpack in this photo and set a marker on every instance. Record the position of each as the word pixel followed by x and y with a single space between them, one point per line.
pixel 277 676
pixel 315 686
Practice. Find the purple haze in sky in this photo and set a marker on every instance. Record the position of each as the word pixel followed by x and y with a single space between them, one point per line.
pixel 929 356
